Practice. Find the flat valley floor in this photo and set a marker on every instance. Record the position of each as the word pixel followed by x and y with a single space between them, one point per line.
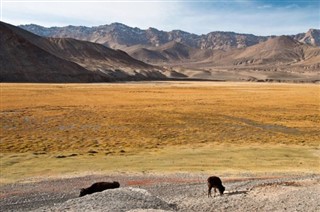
pixel 235 130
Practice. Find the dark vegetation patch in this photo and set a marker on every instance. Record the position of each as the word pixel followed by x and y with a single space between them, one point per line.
pixel 65 156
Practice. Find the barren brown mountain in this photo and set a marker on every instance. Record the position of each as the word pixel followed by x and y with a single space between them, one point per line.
pixel 24 61
pixel 170 52
pixel 312 37
pixel 278 50
pixel 277 59
pixel 26 57
pixel 116 64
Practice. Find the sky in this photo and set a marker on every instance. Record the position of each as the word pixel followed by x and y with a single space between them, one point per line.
pixel 259 17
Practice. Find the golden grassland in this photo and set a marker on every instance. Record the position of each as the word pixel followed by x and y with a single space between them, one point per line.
pixel 159 126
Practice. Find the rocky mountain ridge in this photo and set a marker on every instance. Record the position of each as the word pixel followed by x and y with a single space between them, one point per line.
pixel 117 35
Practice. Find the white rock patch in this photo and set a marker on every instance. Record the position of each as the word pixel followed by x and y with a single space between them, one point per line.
pixel 121 199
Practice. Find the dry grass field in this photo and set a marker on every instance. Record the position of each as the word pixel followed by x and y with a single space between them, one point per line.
pixel 49 129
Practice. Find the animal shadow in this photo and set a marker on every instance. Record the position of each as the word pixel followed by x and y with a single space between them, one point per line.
pixel 236 192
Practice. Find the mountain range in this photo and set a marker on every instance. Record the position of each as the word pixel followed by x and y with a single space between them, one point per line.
pixel 161 47
pixel 117 35
pixel 119 52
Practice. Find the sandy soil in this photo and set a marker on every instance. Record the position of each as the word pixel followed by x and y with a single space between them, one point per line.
pixel 174 192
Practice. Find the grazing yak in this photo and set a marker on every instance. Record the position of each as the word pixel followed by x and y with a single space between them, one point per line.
pixel 98 187
pixel 215 182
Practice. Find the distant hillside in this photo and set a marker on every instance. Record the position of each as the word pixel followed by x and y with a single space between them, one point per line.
pixel 26 57
pixel 281 50
pixel 170 52
pixel 277 50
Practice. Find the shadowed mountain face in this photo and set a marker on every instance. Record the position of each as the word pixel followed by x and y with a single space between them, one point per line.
pixel 26 57
pixel 24 61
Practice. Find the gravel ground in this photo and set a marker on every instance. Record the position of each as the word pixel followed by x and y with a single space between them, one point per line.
pixel 175 192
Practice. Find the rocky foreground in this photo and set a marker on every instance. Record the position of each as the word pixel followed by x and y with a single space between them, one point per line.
pixel 179 192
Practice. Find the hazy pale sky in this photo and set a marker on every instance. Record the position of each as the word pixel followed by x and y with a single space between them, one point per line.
pixel 259 17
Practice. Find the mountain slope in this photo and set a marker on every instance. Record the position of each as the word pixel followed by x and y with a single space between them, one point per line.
pixel 277 51
pixel 172 53
pixel 311 37
pixel 281 49
pixel 23 61
pixel 169 52
pixel 80 51
pixel 116 64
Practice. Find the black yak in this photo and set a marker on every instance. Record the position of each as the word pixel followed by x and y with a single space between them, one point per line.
pixel 98 187
pixel 215 182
